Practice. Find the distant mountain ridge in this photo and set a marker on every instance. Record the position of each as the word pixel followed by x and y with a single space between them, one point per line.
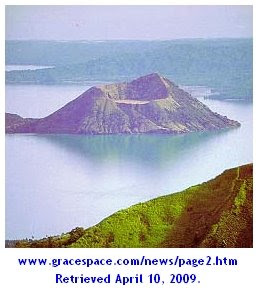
pixel 224 65
pixel 149 104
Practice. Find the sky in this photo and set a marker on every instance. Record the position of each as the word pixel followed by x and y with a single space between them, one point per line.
pixel 127 22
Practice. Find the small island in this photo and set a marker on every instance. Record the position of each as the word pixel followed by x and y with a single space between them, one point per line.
pixel 149 104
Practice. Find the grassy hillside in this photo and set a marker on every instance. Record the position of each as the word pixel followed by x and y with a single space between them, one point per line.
pixel 217 213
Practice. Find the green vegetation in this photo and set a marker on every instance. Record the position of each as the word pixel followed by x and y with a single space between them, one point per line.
pixel 235 227
pixel 52 241
pixel 142 225
pixel 217 213
pixel 240 198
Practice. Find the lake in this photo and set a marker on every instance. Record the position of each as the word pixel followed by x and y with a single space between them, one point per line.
pixel 25 67
pixel 55 183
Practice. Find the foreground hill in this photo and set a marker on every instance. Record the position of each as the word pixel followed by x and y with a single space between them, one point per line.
pixel 149 104
pixel 217 213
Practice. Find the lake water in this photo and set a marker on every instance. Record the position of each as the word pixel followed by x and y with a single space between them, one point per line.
pixel 25 67
pixel 38 101
pixel 57 182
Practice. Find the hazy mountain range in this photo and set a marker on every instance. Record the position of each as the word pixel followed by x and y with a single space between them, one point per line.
pixel 225 65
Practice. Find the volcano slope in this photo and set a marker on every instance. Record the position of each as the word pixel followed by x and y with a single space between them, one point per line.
pixel 149 104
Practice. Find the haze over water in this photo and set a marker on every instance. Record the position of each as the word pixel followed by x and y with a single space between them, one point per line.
pixel 57 182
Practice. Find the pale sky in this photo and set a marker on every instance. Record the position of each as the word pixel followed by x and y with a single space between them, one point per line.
pixel 127 22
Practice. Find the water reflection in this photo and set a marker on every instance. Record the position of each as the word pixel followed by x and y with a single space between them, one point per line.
pixel 148 149
pixel 57 182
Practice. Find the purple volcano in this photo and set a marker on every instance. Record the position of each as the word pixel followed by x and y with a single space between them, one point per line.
pixel 149 104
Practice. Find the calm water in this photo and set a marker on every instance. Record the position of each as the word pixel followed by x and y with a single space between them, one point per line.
pixel 55 183
pixel 38 101
pixel 25 67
